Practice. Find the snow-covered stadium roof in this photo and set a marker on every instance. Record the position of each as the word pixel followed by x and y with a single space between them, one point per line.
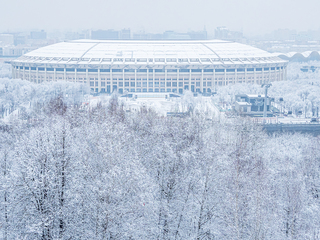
pixel 157 52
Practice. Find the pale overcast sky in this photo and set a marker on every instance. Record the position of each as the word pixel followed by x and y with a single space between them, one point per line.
pixel 251 16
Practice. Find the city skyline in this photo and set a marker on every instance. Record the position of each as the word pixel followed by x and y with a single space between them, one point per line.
pixel 248 16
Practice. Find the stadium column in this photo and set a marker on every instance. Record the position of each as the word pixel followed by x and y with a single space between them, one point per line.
pixel 280 73
pixel 165 79
pixel 87 77
pixel 37 74
pixel 45 73
pixel 235 76
pixel 245 74
pixel 286 73
pixel 23 74
pixel 262 72
pixel 123 84
pixel 135 80
pixel 214 79
pixel 75 75
pixel 111 81
pixel 269 80
pixel 201 81
pixel 254 75
pixel 147 79
pixel 29 73
pixel 99 81
pixel 54 75
pixel 189 87
pixel 14 71
pixel 225 77
pixel 153 76
pixel 64 73
pixel 178 76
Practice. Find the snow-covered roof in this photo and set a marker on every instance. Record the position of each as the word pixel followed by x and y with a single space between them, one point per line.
pixel 291 56
pixel 244 103
pixel 157 52
pixel 255 95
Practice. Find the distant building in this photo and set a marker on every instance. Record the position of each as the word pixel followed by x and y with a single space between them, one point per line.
pixel 105 34
pixel 224 33
pixel 140 36
pixel 147 36
pixel 19 39
pixel 12 51
pixel 125 34
pixel 170 35
pixel 6 39
pixel 200 35
pixel 38 35
pixel 76 35
pixel 252 105
pixel 284 34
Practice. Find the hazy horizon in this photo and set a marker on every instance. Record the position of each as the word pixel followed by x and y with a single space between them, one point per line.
pixel 249 16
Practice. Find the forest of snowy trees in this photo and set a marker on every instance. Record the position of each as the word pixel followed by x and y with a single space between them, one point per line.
pixel 108 174
pixel 104 173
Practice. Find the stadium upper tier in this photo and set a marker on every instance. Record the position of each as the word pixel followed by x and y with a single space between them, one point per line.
pixel 164 65
pixel 92 51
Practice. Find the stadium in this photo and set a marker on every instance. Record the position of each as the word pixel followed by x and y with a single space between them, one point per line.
pixel 150 66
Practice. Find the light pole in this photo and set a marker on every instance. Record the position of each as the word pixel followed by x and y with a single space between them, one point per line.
pixel 266 86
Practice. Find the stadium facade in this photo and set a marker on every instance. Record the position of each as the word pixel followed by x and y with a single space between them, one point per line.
pixel 150 66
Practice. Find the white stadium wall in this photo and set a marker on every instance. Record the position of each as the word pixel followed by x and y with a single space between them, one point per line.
pixel 150 66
